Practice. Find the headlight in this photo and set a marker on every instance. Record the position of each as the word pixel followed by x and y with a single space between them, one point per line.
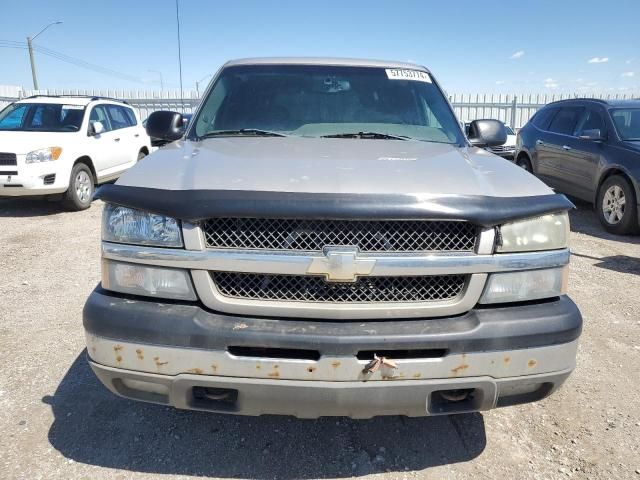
pixel 128 225
pixel 145 280
pixel 43 155
pixel 525 285
pixel 549 232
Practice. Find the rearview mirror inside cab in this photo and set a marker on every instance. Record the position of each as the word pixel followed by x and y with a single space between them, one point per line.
pixel 487 133
pixel 165 125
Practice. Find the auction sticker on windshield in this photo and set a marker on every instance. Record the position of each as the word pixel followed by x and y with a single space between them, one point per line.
pixel 404 74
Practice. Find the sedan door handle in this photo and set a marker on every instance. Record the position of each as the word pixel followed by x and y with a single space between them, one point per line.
pixel 116 139
pixel 137 135
pixel 566 147
pixel 539 142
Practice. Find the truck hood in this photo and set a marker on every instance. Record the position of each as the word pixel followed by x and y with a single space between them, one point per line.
pixel 349 166
pixel 21 143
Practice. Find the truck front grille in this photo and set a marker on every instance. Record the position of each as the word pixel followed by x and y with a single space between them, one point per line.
pixel 8 159
pixel 307 288
pixel 313 235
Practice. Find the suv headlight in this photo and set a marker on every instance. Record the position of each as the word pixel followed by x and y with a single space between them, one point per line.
pixel 128 225
pixel 549 232
pixel 43 155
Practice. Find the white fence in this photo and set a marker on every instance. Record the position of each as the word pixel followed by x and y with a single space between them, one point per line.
pixel 514 110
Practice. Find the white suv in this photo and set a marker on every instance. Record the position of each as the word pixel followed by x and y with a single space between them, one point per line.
pixel 67 145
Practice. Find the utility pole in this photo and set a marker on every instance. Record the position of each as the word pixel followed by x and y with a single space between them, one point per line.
pixel 33 64
pixel 31 59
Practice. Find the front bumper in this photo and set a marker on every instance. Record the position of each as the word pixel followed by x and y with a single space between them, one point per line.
pixel 34 179
pixel 159 352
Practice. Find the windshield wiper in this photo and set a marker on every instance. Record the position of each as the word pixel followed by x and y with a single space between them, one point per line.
pixel 368 135
pixel 250 132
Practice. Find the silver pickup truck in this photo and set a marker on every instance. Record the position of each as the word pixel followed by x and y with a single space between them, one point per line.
pixel 324 240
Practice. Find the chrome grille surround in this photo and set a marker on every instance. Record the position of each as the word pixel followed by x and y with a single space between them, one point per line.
pixel 314 235
pixel 312 288
pixel 202 261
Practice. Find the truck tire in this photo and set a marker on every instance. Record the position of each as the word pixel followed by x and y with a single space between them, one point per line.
pixel 616 206
pixel 80 191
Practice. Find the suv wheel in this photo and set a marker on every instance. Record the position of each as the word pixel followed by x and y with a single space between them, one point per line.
pixel 80 191
pixel 523 162
pixel 616 203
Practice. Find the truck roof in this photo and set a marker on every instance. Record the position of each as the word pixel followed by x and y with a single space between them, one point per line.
pixel 347 62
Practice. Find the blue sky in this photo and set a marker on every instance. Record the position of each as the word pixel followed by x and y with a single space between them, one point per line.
pixel 470 46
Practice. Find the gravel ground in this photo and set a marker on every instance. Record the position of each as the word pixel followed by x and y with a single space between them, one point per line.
pixel 57 421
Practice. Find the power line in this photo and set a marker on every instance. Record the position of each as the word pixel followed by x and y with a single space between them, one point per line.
pixel 72 60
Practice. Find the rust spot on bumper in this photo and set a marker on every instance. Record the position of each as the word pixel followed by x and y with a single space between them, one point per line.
pixel 140 354
pixel 197 371
pixel 459 368
pixel 158 362
pixel 532 363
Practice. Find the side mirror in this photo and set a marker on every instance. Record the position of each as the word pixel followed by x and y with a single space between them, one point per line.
pixel 97 128
pixel 594 134
pixel 487 133
pixel 165 125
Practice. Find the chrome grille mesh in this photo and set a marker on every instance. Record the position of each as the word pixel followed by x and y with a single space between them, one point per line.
pixel 307 288
pixel 313 235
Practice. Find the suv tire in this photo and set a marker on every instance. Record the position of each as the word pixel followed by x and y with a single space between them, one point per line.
pixel 616 205
pixel 80 191
pixel 523 162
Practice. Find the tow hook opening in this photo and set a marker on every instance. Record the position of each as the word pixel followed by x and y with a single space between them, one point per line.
pixel 456 400
pixel 221 399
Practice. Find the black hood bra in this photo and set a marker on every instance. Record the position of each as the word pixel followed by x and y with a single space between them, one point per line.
pixel 196 205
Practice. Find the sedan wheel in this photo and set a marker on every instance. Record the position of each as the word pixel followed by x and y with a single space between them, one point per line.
pixel 613 204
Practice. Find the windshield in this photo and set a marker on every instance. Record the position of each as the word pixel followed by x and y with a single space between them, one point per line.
pixel 42 117
pixel 627 122
pixel 323 100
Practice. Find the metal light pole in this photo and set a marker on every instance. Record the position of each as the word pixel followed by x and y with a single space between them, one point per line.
pixel 161 78
pixel 31 59
pixel 179 52
pixel 198 82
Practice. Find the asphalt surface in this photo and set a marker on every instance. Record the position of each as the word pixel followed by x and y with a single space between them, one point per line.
pixel 57 421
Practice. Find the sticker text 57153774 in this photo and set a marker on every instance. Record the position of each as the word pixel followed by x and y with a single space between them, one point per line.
pixel 405 74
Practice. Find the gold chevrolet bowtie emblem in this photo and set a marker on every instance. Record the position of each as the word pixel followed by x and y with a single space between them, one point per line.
pixel 341 264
